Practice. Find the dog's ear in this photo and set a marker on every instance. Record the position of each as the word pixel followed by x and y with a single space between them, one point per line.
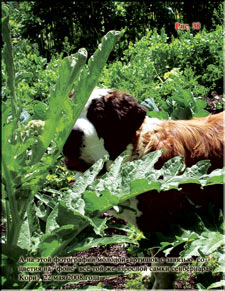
pixel 116 117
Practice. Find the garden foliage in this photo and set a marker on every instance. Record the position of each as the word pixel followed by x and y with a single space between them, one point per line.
pixel 82 24
pixel 159 67
pixel 155 67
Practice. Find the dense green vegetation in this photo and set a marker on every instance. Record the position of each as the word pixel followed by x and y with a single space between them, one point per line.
pixel 172 72
pixel 83 23
pixel 156 66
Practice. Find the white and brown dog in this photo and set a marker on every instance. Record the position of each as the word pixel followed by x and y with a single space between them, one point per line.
pixel 112 122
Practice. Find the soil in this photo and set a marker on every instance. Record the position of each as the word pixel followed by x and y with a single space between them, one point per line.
pixel 119 282
pixel 116 282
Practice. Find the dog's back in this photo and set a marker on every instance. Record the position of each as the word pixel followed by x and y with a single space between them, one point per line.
pixel 196 139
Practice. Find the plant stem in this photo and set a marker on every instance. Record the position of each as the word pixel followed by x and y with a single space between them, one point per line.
pixel 160 79
pixel 15 221
pixel 8 58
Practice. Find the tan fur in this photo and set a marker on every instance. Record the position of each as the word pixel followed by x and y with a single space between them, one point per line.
pixel 196 139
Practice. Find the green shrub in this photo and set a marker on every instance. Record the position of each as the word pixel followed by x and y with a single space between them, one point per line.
pixel 135 282
pixel 145 66
pixel 34 77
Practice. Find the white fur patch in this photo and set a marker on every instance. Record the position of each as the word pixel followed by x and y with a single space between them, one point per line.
pixel 150 124
pixel 93 147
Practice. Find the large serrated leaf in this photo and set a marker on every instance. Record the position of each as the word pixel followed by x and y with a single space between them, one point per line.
pixel 126 180
pixel 67 215
pixel 33 221
pixel 206 244
pixel 69 71
pixel 24 240
pixel 221 262
pixel 13 252
pixel 51 244
pixel 89 198
pixel 219 284
pixel 51 223
pixel 93 202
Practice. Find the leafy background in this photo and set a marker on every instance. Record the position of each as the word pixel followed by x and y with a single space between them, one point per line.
pixel 176 74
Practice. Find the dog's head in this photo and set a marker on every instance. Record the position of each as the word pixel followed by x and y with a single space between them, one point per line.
pixel 107 125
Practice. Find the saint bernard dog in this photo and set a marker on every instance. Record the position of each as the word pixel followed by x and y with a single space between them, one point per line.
pixel 112 122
